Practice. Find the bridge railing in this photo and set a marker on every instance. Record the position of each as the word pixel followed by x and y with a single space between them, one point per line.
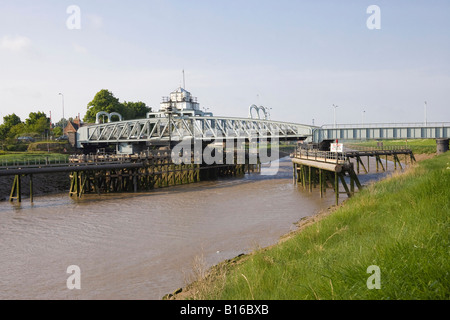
pixel 106 157
pixel 386 125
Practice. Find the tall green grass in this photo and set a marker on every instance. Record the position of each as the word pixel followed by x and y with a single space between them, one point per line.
pixel 400 224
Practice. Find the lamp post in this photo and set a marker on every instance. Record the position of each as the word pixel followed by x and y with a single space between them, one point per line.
pixel 425 113
pixel 335 106
pixel 64 124
pixel 363 114
pixel 169 111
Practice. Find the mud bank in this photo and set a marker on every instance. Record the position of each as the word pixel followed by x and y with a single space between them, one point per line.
pixel 45 183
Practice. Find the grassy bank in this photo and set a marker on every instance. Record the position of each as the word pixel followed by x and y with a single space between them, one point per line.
pixel 400 224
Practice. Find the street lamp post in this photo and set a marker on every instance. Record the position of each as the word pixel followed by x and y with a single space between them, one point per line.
pixel 363 114
pixel 169 111
pixel 335 106
pixel 64 124
pixel 425 113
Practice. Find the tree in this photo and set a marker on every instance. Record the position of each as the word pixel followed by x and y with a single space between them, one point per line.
pixel 104 100
pixel 61 123
pixel 34 117
pixel 57 131
pixel 9 121
pixel 37 123
pixel 135 110
pixel 16 130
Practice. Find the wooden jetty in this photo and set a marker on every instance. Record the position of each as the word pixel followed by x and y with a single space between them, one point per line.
pixel 325 169
pixel 104 173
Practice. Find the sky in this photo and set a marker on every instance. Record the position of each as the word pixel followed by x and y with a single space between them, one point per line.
pixel 298 58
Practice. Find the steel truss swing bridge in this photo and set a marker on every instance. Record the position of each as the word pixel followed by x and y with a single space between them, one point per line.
pixel 178 128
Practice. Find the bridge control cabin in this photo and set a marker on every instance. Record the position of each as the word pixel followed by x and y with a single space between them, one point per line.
pixel 181 103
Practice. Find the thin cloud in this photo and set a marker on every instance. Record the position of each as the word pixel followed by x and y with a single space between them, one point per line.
pixel 95 21
pixel 79 49
pixel 15 43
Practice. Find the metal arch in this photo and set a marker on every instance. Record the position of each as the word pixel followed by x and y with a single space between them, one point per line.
pixel 258 109
pixel 97 116
pixel 199 128
pixel 109 115
pixel 115 114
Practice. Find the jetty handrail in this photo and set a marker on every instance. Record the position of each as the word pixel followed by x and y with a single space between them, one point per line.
pixel 379 148
pixel 317 155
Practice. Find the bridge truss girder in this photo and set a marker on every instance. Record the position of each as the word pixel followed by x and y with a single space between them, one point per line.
pixel 198 128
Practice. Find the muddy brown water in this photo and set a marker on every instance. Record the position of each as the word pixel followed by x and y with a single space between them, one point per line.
pixel 143 245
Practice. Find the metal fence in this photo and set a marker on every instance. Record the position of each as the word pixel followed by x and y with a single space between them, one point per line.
pixel 32 162
pixel 378 148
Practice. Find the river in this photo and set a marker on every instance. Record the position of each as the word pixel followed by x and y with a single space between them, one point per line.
pixel 144 245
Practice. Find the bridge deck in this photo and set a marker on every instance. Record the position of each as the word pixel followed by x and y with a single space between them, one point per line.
pixel 431 130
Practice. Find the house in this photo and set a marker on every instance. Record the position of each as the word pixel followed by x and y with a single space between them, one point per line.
pixel 71 130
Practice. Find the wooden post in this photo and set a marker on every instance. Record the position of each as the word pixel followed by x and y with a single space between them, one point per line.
pixel 135 186
pixel 294 177
pixel 362 164
pixel 357 163
pixel 381 163
pixel 321 182
pixel 314 177
pixel 396 159
pixel 73 183
pixel 336 187
pixel 341 176
pixel 309 179
pixel 352 185
pixel 31 188
pixel 16 190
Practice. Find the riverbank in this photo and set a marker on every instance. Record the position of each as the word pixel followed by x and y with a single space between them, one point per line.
pixel 399 226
